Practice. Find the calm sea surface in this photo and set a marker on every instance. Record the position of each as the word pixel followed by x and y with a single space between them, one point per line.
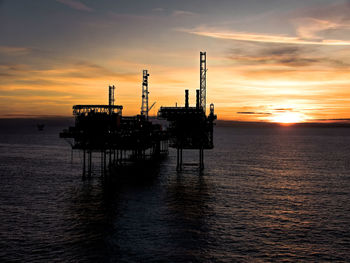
pixel 267 194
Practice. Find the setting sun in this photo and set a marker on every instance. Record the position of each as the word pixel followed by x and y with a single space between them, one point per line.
pixel 287 117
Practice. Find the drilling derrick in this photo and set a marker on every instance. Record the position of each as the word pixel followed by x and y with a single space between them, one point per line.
pixel 111 95
pixel 203 80
pixel 144 105
pixel 111 98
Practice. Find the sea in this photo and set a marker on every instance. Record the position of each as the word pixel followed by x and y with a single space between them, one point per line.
pixel 267 194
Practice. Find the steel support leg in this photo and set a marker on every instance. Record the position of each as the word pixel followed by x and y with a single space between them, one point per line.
pixel 102 173
pixel 201 159
pixel 177 159
pixel 104 162
pixel 84 163
pixel 89 162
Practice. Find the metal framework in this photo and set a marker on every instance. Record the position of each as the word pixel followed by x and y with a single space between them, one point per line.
pixel 86 109
pixel 133 140
pixel 123 142
pixel 144 105
pixel 203 80
pixel 111 95
pixel 190 128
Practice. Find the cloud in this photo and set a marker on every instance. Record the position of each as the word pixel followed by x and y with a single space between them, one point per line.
pixel 34 92
pixel 32 89
pixel 340 119
pixel 77 5
pixel 158 9
pixel 15 51
pixel 324 25
pixel 284 109
pixel 338 12
pixel 183 13
pixel 311 28
pixel 262 38
pixel 132 18
pixel 253 113
pixel 286 55
pixel 280 55
pixel 77 73
pixel 13 70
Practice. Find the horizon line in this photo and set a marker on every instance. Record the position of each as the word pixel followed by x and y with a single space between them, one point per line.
pixel 319 121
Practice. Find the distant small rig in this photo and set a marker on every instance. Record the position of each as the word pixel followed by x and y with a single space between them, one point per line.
pixel 125 142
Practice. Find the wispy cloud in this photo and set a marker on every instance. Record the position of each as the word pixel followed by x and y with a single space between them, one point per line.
pixel 253 113
pixel 332 120
pixel 70 73
pixel 158 9
pixel 285 55
pixel 284 109
pixel 310 28
pixel 132 18
pixel 263 38
pixel 183 13
pixel 76 5
pixel 11 50
pixel 324 25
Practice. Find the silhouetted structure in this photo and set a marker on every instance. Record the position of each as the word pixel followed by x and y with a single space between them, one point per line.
pixel 133 140
pixel 203 81
pixel 40 126
pixel 119 140
pixel 190 128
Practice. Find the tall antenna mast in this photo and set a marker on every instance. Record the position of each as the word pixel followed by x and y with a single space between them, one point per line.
pixel 111 95
pixel 203 80
pixel 111 98
pixel 144 105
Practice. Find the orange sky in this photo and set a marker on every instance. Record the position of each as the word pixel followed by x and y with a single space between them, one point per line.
pixel 286 63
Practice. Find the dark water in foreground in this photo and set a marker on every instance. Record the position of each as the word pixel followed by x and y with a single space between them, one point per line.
pixel 268 194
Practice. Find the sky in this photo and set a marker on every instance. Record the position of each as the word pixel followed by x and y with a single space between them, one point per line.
pixel 268 60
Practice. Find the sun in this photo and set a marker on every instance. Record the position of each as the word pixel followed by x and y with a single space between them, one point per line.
pixel 287 117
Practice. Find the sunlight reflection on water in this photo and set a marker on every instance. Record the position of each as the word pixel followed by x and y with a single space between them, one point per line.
pixel 270 194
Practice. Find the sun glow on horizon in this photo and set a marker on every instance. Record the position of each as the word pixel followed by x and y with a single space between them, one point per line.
pixel 287 117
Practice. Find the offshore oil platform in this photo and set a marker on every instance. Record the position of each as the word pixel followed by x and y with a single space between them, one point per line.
pixel 124 142
pixel 190 127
